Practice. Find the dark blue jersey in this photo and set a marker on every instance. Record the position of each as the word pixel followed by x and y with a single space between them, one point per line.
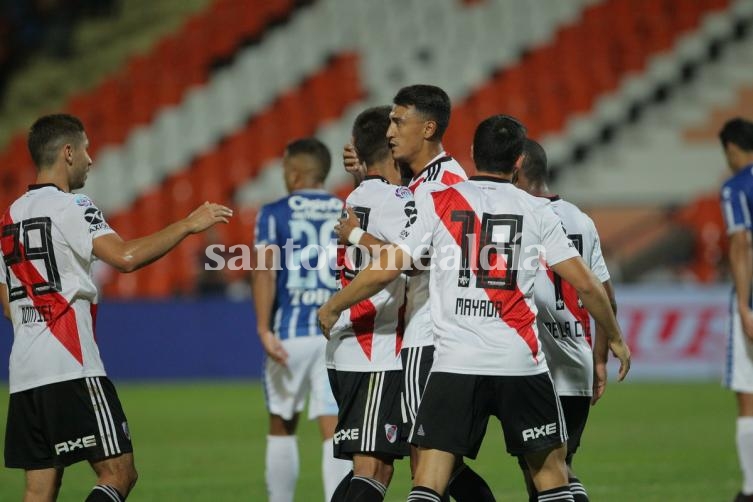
pixel 737 200
pixel 301 227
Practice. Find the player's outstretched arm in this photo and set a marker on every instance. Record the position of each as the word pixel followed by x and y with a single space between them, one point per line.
pixel 594 298
pixel 741 263
pixel 264 290
pixel 368 282
pixel 127 256
pixel 601 350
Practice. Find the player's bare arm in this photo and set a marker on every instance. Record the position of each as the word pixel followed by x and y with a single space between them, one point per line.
pixel 4 300
pixel 264 288
pixel 741 263
pixel 601 350
pixel 345 227
pixel 128 256
pixel 368 282
pixel 595 299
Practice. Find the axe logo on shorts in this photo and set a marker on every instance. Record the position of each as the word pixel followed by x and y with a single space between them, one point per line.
pixel 346 435
pixel 391 432
pixel 84 442
pixel 537 432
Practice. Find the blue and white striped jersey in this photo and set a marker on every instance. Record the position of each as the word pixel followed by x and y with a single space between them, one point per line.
pixel 301 227
pixel 737 200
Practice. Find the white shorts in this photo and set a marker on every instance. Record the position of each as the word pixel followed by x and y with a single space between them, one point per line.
pixel 738 368
pixel 286 388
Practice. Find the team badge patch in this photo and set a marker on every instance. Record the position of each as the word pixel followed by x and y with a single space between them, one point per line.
pixel 126 431
pixel 83 201
pixel 391 432
pixel 403 193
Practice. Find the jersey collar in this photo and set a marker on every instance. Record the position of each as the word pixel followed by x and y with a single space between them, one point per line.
pixel 442 157
pixel 37 186
pixel 376 177
pixel 481 177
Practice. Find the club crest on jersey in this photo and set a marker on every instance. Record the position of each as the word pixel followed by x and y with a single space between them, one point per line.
pixel 403 193
pixel 83 201
pixel 391 432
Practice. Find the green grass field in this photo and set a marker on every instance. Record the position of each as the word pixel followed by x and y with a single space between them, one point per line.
pixel 205 442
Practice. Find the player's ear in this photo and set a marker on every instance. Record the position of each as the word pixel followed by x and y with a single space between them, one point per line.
pixel 430 128
pixel 68 153
pixel 472 157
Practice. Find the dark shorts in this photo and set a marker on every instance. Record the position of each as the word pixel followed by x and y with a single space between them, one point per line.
pixel 63 423
pixel 455 410
pixel 417 363
pixel 369 418
pixel 576 410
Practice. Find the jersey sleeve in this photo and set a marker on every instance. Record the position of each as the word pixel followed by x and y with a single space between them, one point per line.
pixel 3 279
pixel 82 222
pixel 597 263
pixel 557 246
pixel 735 209
pixel 416 238
pixel 398 213
pixel 266 232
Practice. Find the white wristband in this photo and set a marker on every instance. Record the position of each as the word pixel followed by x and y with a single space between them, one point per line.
pixel 354 237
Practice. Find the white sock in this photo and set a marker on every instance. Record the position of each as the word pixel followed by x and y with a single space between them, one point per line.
pixel 281 468
pixel 744 438
pixel 333 469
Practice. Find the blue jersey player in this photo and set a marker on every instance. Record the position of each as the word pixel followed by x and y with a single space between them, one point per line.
pixel 737 204
pixel 295 242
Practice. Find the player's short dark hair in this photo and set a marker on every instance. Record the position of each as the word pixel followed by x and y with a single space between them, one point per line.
pixel 498 143
pixel 534 162
pixel 51 132
pixel 430 101
pixel 314 148
pixel 737 131
pixel 370 135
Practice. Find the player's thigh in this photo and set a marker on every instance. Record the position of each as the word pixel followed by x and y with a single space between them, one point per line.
pixel 575 410
pixel 286 387
pixel 738 374
pixel 60 424
pixel 369 418
pixel 42 485
pixel 530 412
pixel 453 414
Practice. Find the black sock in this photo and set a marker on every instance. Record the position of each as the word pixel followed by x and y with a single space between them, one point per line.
pixel 423 494
pixel 342 489
pixel 467 486
pixel 561 494
pixel 104 493
pixel 365 490
pixel 578 490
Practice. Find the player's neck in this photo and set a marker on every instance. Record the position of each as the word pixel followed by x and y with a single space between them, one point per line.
pixel 51 176
pixel 501 176
pixel 430 150
pixel 541 190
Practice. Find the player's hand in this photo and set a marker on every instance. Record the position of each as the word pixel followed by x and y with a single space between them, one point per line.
pixel 746 319
pixel 352 163
pixel 273 347
pixel 207 215
pixel 622 352
pixel 600 382
pixel 346 224
pixel 327 319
